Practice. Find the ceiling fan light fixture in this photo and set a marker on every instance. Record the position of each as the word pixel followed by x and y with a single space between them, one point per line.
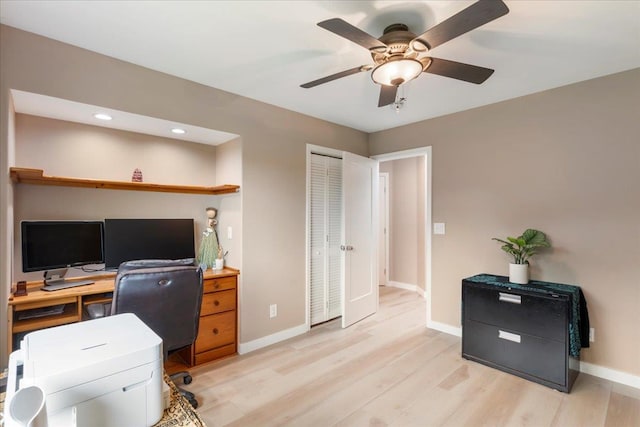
pixel 396 72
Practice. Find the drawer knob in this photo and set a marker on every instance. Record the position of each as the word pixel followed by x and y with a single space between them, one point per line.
pixel 216 303
pixel 216 285
pixel 215 331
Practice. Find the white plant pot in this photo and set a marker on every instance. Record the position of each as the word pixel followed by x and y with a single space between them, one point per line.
pixel 219 264
pixel 519 273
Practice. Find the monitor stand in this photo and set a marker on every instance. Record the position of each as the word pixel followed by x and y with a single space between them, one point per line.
pixel 54 280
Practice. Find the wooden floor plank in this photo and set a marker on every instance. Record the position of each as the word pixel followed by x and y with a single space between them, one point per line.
pixel 390 370
pixel 623 411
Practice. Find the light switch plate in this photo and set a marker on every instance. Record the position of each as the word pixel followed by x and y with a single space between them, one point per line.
pixel 229 233
pixel 438 228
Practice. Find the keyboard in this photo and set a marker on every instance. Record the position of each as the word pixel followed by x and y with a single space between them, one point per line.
pixel 41 312
pixel 56 286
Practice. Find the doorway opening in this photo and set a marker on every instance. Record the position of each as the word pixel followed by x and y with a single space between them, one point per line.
pixel 408 254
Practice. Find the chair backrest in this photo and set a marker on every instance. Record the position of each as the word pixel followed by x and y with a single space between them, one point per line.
pixel 166 295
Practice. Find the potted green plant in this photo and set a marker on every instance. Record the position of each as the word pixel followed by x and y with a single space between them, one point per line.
pixel 522 248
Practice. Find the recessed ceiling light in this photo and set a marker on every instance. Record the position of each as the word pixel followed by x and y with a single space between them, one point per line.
pixel 178 131
pixel 102 116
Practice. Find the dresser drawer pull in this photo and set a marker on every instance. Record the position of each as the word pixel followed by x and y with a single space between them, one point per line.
pixel 215 331
pixel 514 299
pixel 508 336
pixel 216 303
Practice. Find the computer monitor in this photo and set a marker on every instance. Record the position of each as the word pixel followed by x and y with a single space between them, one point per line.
pixel 136 239
pixel 48 245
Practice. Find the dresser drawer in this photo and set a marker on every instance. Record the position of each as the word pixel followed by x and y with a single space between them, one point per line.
pixel 216 330
pixel 539 357
pixel 217 302
pixel 542 316
pixel 219 284
pixel 216 353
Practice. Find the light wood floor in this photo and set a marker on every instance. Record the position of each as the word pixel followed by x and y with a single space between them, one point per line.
pixel 390 370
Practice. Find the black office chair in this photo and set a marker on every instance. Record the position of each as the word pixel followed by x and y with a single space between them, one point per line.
pixel 164 294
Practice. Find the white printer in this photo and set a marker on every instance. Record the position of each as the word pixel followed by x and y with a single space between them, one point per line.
pixel 99 373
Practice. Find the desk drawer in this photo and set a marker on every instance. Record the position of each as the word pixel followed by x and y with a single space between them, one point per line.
pixel 216 330
pixel 526 354
pixel 217 302
pixel 541 316
pixel 219 284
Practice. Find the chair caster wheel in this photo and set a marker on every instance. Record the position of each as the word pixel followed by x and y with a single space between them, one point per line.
pixel 194 403
pixel 187 379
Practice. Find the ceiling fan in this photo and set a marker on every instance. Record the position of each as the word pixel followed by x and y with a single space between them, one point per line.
pixel 399 55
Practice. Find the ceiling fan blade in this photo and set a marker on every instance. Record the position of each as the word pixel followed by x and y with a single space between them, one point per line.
pixel 354 34
pixel 458 70
pixel 336 76
pixel 387 95
pixel 474 16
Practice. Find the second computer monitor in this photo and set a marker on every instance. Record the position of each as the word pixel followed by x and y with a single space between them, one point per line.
pixel 135 239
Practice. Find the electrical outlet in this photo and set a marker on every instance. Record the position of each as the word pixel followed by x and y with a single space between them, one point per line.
pixel 592 334
pixel 273 310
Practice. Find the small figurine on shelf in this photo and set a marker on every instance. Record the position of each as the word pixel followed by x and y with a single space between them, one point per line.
pixel 137 175
pixel 209 247
pixel 220 259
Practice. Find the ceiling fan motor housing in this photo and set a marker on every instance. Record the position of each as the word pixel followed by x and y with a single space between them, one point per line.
pixel 397 37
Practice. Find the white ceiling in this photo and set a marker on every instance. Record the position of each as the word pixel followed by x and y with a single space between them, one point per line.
pixel 265 49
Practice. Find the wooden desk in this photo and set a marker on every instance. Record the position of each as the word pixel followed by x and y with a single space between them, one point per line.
pixel 218 331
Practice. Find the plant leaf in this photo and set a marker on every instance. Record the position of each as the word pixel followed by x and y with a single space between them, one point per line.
pixel 501 241
pixel 535 237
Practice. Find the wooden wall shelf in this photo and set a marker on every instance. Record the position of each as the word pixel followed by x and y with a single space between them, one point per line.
pixel 37 177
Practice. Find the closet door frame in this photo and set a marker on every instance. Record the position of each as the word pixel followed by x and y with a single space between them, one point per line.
pixel 312 149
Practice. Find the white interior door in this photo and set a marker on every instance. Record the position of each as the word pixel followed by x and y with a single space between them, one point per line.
pixel 325 234
pixel 359 247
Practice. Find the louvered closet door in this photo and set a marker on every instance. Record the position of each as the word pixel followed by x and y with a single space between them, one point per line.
pixel 325 229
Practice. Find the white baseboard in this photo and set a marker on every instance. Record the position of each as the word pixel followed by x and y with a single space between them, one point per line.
pixel 401 285
pixel 587 368
pixel 610 374
pixel 259 343
pixel 443 327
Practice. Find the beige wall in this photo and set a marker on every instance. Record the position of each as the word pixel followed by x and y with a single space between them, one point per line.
pixel 229 171
pixel 406 220
pixel 70 149
pixel 273 157
pixel 565 161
